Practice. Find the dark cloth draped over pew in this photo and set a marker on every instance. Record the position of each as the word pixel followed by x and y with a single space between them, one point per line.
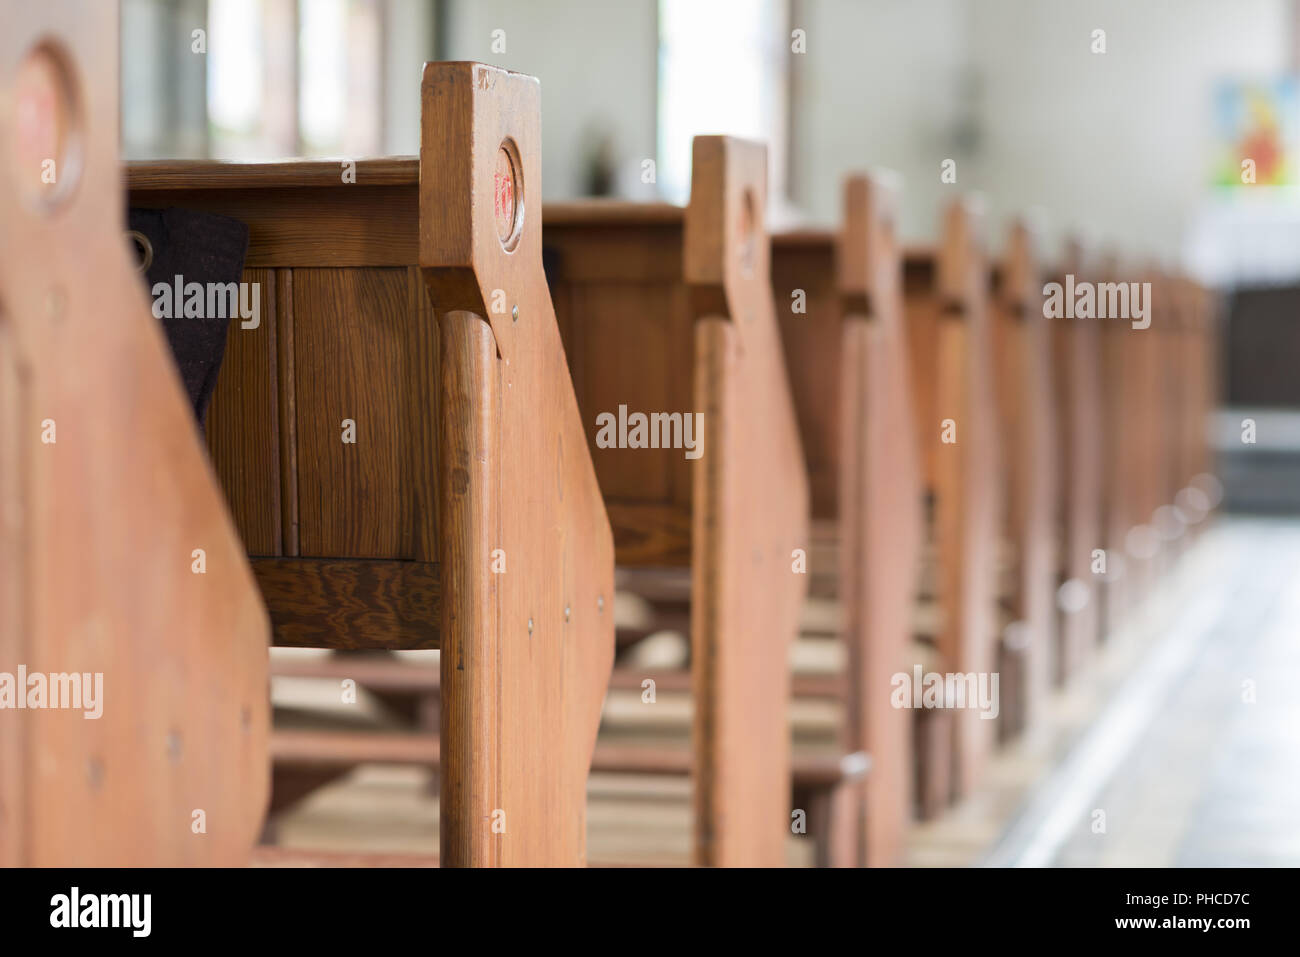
pixel 199 248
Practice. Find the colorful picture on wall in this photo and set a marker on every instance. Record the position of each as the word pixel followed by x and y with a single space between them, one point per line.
pixel 1257 132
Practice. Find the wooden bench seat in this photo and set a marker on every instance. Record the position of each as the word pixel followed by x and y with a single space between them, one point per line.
pixel 839 298
pixel 382 432
pixel 665 311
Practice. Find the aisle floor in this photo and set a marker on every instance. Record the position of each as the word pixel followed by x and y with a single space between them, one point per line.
pixel 1192 757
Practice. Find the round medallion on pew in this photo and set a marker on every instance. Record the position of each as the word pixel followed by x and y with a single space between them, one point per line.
pixel 46 158
pixel 507 195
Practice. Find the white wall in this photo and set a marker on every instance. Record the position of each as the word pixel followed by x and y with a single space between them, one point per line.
pixel 1118 144
pixel 1115 144
pixel 596 60
pixel 880 86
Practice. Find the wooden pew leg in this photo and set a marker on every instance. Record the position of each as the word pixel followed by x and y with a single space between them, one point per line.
pixel 934 762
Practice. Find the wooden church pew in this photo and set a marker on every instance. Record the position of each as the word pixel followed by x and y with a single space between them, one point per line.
pixel 635 288
pixel 665 310
pixel 839 301
pixel 1203 491
pixel 1077 373
pixel 1122 434
pixel 107 499
pixel 1144 429
pixel 1027 417
pixel 466 516
pixel 1189 348
pixel 949 329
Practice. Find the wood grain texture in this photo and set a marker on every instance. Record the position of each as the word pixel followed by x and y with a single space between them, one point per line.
pixel 627 333
pixel 243 427
pixel 651 534
pixel 750 513
pixel 324 226
pixel 349 603
pixel 365 350
pixel 302 175
pixel 287 408
pixel 111 513
pixel 526 654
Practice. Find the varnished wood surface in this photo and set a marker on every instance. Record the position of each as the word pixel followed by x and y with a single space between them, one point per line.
pixel 881 516
pixel 812 346
pixel 526 654
pixel 351 603
pixel 847 361
pixel 287 174
pixel 317 226
pixel 750 503
pixel 98 544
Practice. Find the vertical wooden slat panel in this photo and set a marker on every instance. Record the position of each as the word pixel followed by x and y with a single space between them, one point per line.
pixel 360 354
pixel 243 424
pixel 288 412
pixel 423 410
pixel 526 652
pixel 811 341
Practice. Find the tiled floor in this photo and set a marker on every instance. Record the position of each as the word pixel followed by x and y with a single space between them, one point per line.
pixel 1193 758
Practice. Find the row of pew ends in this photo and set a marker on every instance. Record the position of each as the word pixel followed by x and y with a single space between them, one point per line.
pixel 962 459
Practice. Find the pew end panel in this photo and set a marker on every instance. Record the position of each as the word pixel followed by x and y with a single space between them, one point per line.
pixel 1028 419
pixel 968 501
pixel 526 654
pixel 344 335
pixel 616 276
pixel 751 503
pixel 100 569
pixel 881 502
pixel 1077 367
pixel 847 357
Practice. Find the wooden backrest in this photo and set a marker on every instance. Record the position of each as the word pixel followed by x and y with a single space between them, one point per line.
pixel 335 265
pixel 847 357
pixel 670 311
pixel 950 334
pixel 882 512
pixel 407 297
pixel 117 554
pixel 810 312
pixel 345 336
pixel 616 272
pixel 750 514
pixel 526 654
pixel 1028 424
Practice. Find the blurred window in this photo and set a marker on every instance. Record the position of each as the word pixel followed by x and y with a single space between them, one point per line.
pixel 723 68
